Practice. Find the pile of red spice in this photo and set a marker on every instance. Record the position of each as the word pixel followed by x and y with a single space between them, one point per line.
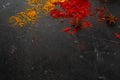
pixel 78 10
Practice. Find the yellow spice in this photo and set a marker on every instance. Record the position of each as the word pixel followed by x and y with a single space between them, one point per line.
pixel 26 17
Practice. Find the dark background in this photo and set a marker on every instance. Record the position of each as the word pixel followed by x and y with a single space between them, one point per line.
pixel 43 52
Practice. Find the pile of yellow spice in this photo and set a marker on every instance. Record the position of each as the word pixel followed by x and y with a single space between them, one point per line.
pixel 23 18
pixel 31 15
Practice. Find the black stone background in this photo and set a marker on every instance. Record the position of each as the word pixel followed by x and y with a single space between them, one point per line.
pixel 93 54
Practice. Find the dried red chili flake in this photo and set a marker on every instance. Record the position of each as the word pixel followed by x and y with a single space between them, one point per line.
pixel 76 26
pixel 75 9
pixel 117 35
pixel 69 30
pixel 66 29
pixel 56 13
pixel 86 24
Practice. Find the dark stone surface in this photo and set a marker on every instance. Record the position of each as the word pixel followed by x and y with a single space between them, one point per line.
pixel 93 54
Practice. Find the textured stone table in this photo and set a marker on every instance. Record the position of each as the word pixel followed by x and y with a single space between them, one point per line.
pixel 93 54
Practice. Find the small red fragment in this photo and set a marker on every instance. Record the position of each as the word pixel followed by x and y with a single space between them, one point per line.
pixel 86 24
pixel 117 35
pixel 66 29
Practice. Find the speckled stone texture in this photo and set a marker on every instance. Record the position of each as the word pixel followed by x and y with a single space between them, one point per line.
pixel 92 54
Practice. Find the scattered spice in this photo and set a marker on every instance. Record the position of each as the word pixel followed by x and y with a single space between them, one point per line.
pixel 66 29
pixel 16 21
pixel 34 2
pixel 31 15
pixel 117 35
pixel 101 13
pixel 78 10
pixel 111 19
pixel 25 17
pixel 104 17
pixel 50 5
pixel 76 26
